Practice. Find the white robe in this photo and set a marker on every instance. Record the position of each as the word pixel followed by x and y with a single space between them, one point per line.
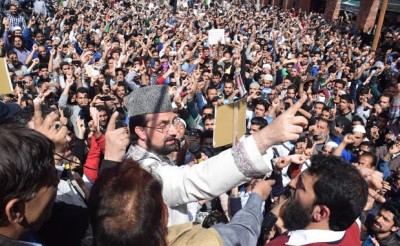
pixel 204 181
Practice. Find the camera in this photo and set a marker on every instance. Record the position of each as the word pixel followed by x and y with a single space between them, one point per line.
pixel 20 83
pixel 105 98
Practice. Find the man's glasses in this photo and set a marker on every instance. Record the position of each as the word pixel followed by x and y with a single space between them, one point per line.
pixel 166 127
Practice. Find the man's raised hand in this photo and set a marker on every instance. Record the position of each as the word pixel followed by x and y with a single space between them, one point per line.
pixel 286 127
pixel 116 140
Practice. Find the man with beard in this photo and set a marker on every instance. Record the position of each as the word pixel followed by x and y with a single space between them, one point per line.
pixel 320 134
pixel 14 65
pixel 18 46
pixel 385 225
pixel 329 196
pixel 152 121
pixel 15 18
pixel 229 92
pixel 103 117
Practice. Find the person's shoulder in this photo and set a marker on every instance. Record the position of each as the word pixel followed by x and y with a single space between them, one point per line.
pixel 391 240
pixel 10 242
pixel 188 234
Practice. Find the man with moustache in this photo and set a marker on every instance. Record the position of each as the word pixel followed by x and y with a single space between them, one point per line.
pixel 329 196
pixel 320 134
pixel 154 125
pixel 385 225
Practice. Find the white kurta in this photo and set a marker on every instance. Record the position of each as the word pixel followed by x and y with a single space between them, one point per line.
pixel 203 181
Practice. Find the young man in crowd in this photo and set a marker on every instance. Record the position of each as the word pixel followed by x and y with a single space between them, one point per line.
pixel 329 197
pixel 384 226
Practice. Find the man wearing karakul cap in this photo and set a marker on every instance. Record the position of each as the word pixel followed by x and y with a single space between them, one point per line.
pixel 152 121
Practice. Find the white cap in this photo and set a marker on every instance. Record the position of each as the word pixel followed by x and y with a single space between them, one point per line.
pixel 268 77
pixel 267 66
pixel 332 144
pixel 182 121
pixel 359 128
pixel 16 28
pixel 69 60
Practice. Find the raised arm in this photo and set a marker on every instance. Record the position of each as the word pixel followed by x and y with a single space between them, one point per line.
pixel 348 139
pixel 245 226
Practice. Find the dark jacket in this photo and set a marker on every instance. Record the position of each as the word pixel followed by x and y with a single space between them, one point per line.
pixel 391 240
pixel 11 242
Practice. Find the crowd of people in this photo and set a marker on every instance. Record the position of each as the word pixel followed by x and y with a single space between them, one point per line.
pixel 107 138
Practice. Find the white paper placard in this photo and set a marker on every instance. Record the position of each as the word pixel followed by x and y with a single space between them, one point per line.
pixel 215 35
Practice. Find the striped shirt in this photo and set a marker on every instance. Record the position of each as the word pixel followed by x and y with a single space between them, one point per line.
pixel 17 21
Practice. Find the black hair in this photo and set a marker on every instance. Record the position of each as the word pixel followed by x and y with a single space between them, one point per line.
pixel 341 188
pixel 207 117
pixel 292 87
pixel 259 121
pixel 346 97
pixel 372 156
pixel 63 64
pixel 23 116
pixel 137 120
pixel 27 164
pixel 263 103
pixel 394 209
pixel 119 69
pixel 324 120
pixel 326 108
pixel 82 90
pixel 385 94
pixel 210 88
pixel 106 109
pixel 11 52
pixel 384 115
pixel 208 106
pixel 43 65
pixel 357 118
pixel 215 217
pixel 340 82
pixel 369 145
pixel 37 31
pixel 216 73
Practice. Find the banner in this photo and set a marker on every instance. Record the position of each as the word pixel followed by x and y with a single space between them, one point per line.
pixel 230 123
pixel 5 81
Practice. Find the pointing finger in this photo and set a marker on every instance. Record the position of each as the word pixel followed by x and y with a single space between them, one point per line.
pixel 37 115
pixel 271 182
pixel 111 123
pixel 297 105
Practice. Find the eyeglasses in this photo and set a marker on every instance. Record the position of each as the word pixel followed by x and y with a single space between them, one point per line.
pixel 166 127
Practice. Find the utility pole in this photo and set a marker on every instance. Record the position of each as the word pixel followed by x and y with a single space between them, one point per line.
pixel 379 25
